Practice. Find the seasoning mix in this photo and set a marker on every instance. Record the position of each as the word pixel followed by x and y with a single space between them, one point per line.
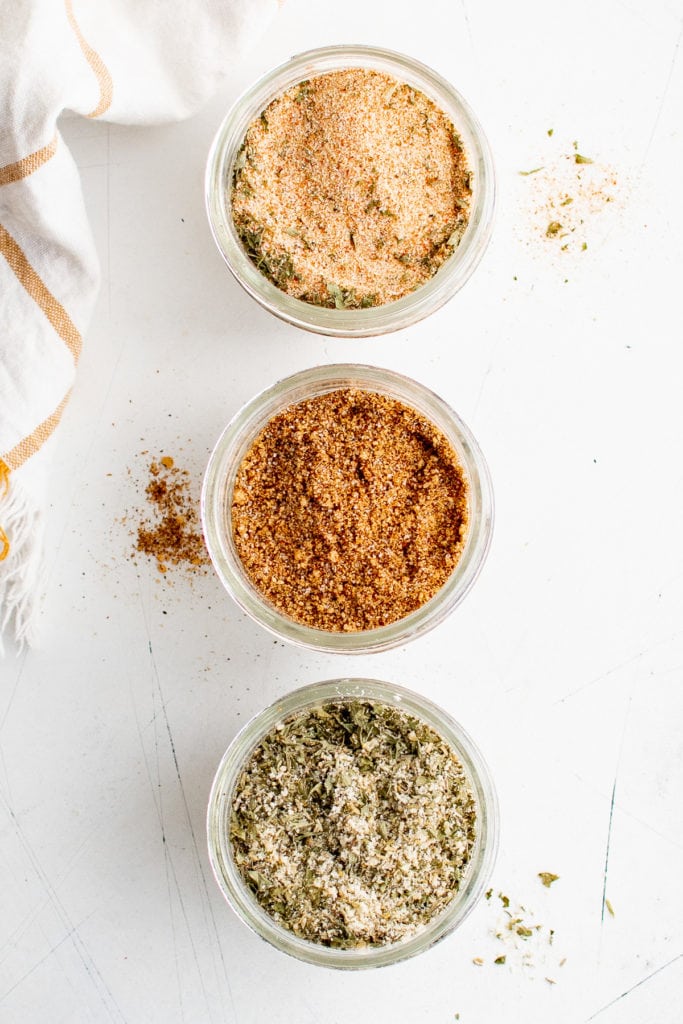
pixel 170 532
pixel 349 510
pixel 351 189
pixel 352 823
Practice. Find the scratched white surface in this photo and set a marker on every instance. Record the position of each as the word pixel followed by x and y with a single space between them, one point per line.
pixel 565 662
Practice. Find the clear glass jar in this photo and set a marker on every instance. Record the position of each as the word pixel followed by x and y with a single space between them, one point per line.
pixel 477 872
pixel 237 438
pixel 348 323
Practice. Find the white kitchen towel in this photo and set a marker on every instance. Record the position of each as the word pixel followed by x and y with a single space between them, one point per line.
pixel 127 61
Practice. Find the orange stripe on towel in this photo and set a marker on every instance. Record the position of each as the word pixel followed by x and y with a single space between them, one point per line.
pixel 4 479
pixel 22 168
pixel 4 539
pixel 35 286
pixel 104 79
pixel 31 444
pixel 18 456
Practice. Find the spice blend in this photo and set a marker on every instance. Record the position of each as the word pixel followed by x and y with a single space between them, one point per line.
pixel 523 943
pixel 567 199
pixel 351 189
pixel 349 511
pixel 352 823
pixel 173 536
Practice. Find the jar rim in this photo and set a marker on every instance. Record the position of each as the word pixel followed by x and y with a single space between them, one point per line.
pixel 377 320
pixel 238 436
pixel 476 874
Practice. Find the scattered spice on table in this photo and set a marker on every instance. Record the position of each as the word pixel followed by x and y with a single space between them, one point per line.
pixel 353 823
pixel 349 511
pixel 170 532
pixel 518 940
pixel 547 878
pixel 351 189
pixel 566 197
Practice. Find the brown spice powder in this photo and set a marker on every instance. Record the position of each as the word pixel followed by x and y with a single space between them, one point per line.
pixel 174 537
pixel 351 189
pixel 349 511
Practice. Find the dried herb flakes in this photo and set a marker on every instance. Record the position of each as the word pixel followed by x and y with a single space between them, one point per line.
pixel 352 824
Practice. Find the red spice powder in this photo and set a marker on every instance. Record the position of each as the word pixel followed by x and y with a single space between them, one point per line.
pixel 173 537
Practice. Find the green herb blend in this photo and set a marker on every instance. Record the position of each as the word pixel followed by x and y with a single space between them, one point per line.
pixel 352 823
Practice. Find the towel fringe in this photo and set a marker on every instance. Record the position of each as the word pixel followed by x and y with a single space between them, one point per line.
pixel 22 570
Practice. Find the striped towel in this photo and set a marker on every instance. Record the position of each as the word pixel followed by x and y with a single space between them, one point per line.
pixel 128 61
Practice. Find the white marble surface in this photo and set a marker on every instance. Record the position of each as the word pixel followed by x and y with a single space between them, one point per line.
pixel 565 662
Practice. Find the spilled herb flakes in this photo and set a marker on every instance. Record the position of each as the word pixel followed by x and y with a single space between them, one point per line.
pixel 522 942
pixel 352 823
pixel 564 195
pixel 547 878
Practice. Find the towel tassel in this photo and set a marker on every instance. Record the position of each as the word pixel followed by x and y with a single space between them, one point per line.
pixel 21 560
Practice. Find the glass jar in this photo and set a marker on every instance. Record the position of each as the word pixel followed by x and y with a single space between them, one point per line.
pixel 237 438
pixel 348 323
pixel 477 872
